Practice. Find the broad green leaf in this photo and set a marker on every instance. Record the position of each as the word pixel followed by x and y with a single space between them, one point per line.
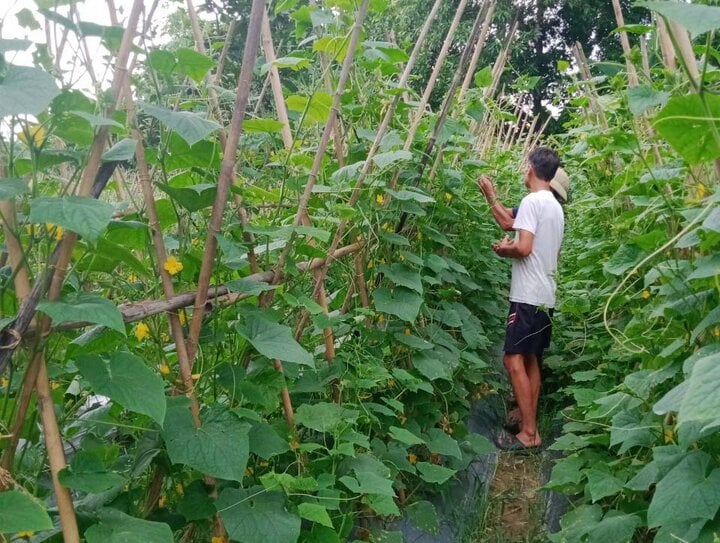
pixel 318 108
pixel 709 320
pixel 368 482
pixel 383 160
pixel 429 366
pixel 220 447
pixel 19 512
pixel 410 195
pixel 316 513
pixel 84 307
pixel 402 302
pixel 127 380
pixel 689 127
pixel 255 516
pixel 644 97
pixel 193 64
pixel 432 473
pixel 26 91
pixel 249 286
pixel 601 484
pixel 403 276
pixel 288 483
pixel 273 340
pixel 624 258
pixel 325 417
pixel 85 216
pixel 424 516
pixel 634 428
pixel 88 473
pixel 294 63
pixel 566 472
pixel 192 198
pixel 697 18
pixel 196 503
pixel 262 125
pixel 162 61
pixel 12 187
pixel 122 150
pixel 616 527
pixel 192 127
pixel 687 492
pixel 335 47
pixel 117 527
pixel 484 77
pixel 14 44
pixel 265 441
pixel 414 342
pixel 405 436
pixel 712 221
pixel 701 402
pixel 439 442
pixel 26 19
pixel 96 121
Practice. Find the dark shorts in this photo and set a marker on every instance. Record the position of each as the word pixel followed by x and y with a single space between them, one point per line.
pixel 528 329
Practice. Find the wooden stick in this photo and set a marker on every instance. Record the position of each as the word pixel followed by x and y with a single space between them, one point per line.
pixel 479 47
pixel 274 74
pixel 323 145
pixel 625 42
pixel 666 46
pixel 227 173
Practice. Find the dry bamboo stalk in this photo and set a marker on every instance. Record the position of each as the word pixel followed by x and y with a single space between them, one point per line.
pixel 501 61
pixel 37 367
pixel 323 145
pixel 666 46
pixel 274 74
pixel 625 42
pixel 592 95
pixel 439 62
pixel 56 455
pixel 227 172
pixel 212 80
pixel 490 5
pixel 645 57
pixel 359 262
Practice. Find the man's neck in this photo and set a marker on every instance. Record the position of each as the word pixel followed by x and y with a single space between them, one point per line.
pixel 536 185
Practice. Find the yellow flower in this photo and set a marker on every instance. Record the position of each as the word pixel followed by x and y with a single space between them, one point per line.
pixel 37 135
pixel 142 331
pixel 407 331
pixel 419 235
pixel 4 382
pixel 370 264
pixel 263 464
pixel 173 266
pixel 132 278
pixel 249 472
pixel 391 383
pixel 669 436
pixel 195 242
pixel 402 418
pixel 379 198
pixel 412 458
pixel 162 501
pixel 164 337
pixel 182 317
pixel 25 534
pixel 195 376
pixel 217 539
pixel 402 258
pixel 294 444
pixel 55 231
pixel 180 489
pixel 716 331
pixel 381 318
pixel 448 196
pixel 54 385
pixel 646 294
pixel 164 369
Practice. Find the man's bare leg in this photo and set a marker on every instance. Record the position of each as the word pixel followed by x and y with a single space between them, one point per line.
pixel 525 396
pixel 532 368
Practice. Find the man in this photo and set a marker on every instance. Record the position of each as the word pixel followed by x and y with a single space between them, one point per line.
pixel 539 224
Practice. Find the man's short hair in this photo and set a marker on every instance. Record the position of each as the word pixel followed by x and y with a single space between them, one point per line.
pixel 544 162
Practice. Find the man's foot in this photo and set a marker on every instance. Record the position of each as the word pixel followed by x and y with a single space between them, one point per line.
pixel 518 443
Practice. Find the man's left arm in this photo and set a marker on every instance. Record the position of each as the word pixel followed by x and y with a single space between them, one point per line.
pixel 519 248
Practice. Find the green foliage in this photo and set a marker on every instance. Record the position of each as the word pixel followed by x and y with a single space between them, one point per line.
pixel 21 513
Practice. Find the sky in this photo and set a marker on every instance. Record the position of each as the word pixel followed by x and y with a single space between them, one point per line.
pixel 95 11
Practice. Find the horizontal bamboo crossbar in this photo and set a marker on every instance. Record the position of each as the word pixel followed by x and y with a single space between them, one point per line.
pixel 217 295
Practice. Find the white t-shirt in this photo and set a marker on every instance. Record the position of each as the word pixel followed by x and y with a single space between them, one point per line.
pixel 533 277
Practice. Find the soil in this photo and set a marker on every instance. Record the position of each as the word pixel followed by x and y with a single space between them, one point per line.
pixel 515 505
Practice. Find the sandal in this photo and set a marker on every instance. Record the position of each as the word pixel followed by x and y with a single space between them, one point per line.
pixel 510 443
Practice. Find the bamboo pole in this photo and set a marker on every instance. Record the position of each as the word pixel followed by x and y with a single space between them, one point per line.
pixel 625 42
pixel 227 173
pixel 323 145
pixel 479 47
pixel 274 74
pixel 666 47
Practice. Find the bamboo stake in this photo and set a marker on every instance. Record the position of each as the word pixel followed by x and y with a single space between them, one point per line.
pixel 274 74
pixel 227 173
pixel 479 47
pixel 323 145
pixel 645 57
pixel 632 73
pixel 666 46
